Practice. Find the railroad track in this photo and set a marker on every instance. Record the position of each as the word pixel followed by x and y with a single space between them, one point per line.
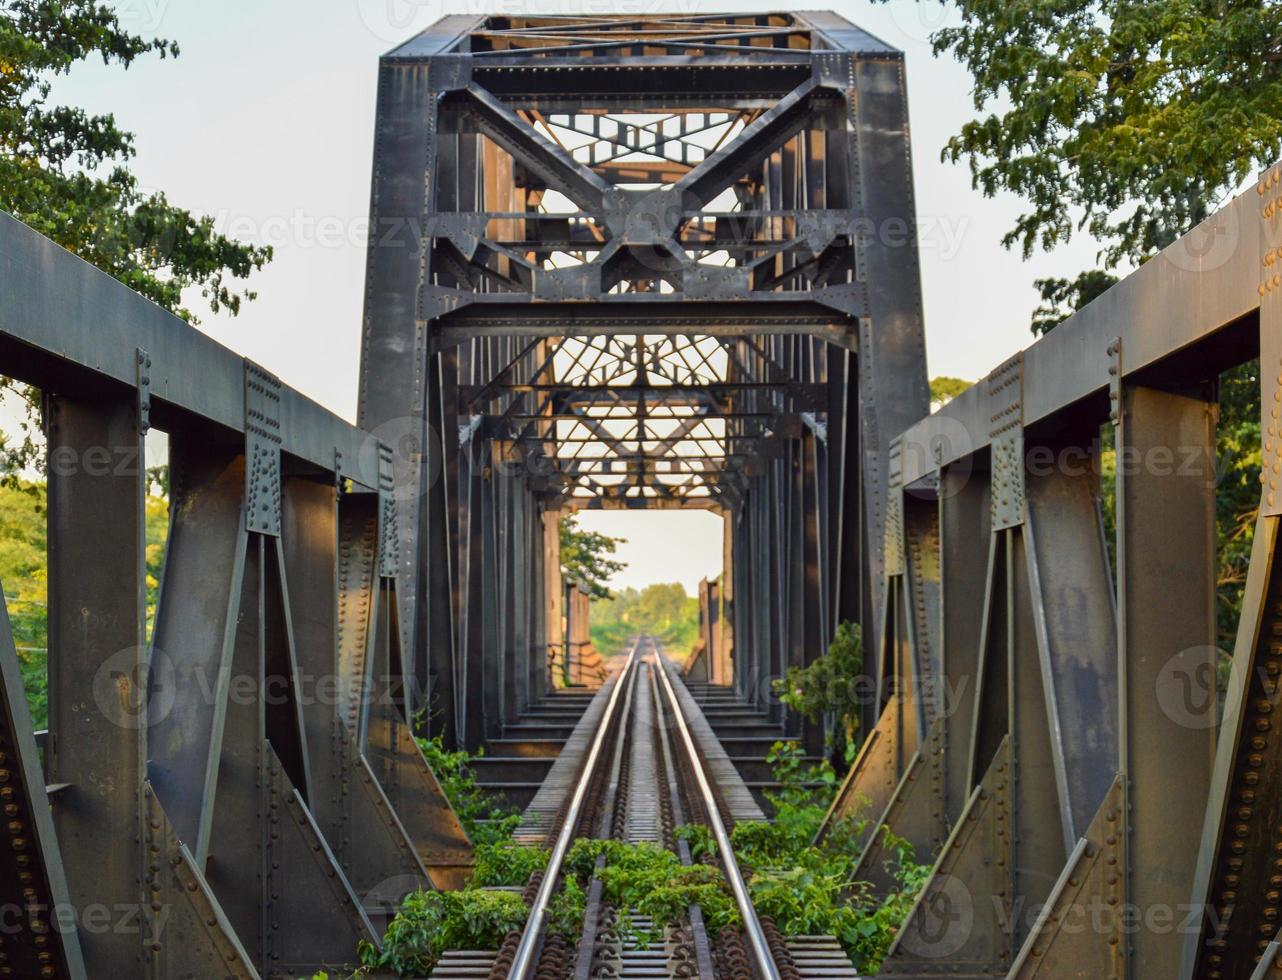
pixel 643 764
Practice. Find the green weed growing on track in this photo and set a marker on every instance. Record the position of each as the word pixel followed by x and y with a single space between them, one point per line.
pixel 429 923
pixel 811 888
pixel 506 862
pixel 486 818
pixel 651 881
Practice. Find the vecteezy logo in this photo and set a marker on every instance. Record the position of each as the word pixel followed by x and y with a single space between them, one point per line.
pixel 387 895
pixel 398 20
pixel 920 20
pixel 416 449
pixel 942 921
pixel 1186 687
pixel 129 693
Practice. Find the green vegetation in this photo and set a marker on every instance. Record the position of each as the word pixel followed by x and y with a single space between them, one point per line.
pixel 585 557
pixel 485 818
pixel 505 862
pixel 65 173
pixel 429 923
pixel 811 889
pixel 944 389
pixel 829 689
pixel 24 575
pixel 699 839
pixel 651 880
pixel 566 910
pixel 662 610
pixel 1131 120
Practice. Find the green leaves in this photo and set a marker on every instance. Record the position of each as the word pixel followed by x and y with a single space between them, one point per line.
pixel 652 881
pixel 832 686
pixel 62 170
pixel 429 923
pixel 485 817
pixel 505 862
pixel 699 839
pixel 811 889
pixel 1061 298
pixel 1129 120
pixel 585 557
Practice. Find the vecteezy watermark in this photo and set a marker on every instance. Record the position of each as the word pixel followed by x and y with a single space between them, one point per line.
pixel 416 455
pixel 94 919
pixel 120 687
pixel 919 20
pixel 940 441
pixel 124 460
pixel 134 688
pixel 143 16
pixel 1104 915
pixel 388 895
pixel 1185 687
pixel 399 20
pixel 942 921
pixel 941 699
pixel 1208 245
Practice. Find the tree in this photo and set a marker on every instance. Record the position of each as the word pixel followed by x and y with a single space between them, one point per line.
pixel 1133 120
pixel 63 172
pixel 24 578
pixel 585 557
pixel 1129 118
pixel 661 610
pixel 944 389
pixel 831 688
pixel 1061 298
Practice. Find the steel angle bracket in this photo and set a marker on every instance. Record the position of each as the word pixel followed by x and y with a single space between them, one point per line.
pixel 870 785
pixel 313 919
pixel 960 924
pixel 915 813
pixel 194 938
pixel 1079 931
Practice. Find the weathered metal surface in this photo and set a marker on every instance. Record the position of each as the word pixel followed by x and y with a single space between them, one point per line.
pixel 573 305
pixel 41 929
pixel 1080 931
pixel 562 253
pixel 960 923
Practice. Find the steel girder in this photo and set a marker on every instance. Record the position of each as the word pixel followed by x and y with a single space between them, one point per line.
pixel 1048 732
pixel 236 790
pixel 639 262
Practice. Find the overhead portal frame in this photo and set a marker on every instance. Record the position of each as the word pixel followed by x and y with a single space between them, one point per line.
pixel 665 261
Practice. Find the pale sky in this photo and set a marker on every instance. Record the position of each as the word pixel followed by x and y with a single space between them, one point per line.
pixel 266 122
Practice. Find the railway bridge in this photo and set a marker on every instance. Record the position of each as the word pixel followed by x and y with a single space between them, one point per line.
pixel 662 261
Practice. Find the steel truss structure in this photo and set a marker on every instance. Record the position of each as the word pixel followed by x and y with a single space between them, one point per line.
pixel 1049 732
pixel 235 787
pixel 637 263
pixel 664 261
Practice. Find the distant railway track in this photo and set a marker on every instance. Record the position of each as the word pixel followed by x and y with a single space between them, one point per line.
pixel 644 772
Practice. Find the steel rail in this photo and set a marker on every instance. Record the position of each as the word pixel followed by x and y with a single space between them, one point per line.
pixel 766 967
pixel 527 950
